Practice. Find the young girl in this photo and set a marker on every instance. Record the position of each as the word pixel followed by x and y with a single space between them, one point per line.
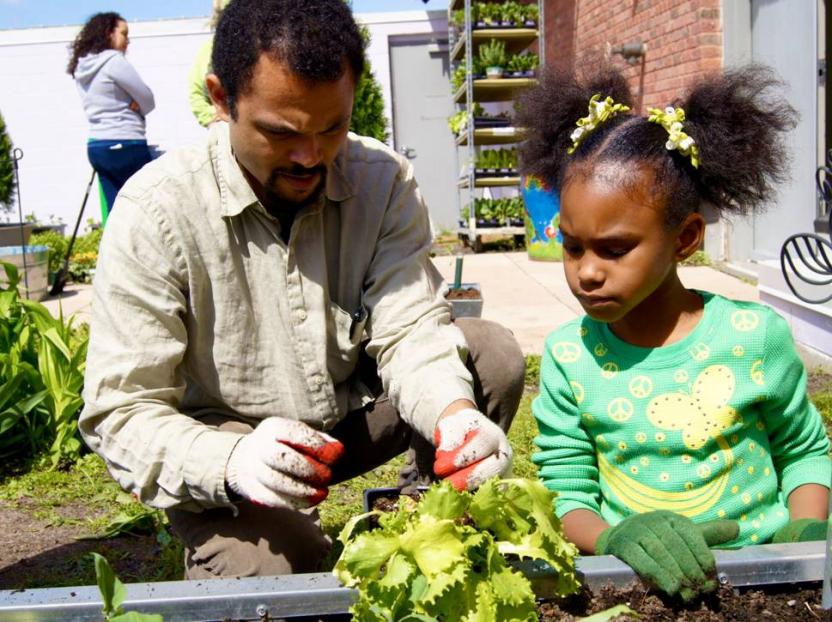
pixel 670 419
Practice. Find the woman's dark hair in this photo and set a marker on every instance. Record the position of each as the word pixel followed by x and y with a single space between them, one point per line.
pixel 738 120
pixel 93 38
pixel 315 38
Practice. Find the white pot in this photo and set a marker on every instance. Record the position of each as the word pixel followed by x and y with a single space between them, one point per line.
pixel 494 72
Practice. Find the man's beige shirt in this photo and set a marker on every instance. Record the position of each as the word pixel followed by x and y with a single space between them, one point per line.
pixel 199 307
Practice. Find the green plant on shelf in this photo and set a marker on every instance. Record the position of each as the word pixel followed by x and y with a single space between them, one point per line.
pixel 526 61
pixel 497 158
pixel 501 211
pixel 459 121
pixel 488 13
pixel 493 53
pixel 458 77
pixel 458 19
pixel 531 13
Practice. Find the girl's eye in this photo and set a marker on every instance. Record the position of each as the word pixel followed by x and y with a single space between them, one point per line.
pixel 571 248
pixel 616 251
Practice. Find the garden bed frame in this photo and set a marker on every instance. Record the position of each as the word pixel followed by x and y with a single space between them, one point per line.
pixel 320 594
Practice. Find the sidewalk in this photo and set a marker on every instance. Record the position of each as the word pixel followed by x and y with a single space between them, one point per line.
pixel 529 297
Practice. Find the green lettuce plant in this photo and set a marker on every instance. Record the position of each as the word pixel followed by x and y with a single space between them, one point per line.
pixel 446 557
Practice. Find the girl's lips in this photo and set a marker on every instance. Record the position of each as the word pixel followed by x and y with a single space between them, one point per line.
pixel 596 301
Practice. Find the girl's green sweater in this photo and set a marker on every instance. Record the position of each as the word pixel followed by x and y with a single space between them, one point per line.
pixel 717 425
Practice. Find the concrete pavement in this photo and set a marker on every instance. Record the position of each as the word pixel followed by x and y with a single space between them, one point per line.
pixel 529 297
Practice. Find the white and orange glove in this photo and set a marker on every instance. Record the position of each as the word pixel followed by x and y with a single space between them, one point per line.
pixel 283 463
pixel 470 448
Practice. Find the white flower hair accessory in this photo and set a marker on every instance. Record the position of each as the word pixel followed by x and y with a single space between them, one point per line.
pixel 600 110
pixel 672 120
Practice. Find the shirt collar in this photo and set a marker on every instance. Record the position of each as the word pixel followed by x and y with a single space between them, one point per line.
pixel 235 192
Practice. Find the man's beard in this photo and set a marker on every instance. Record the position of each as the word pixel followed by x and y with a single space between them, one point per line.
pixel 277 201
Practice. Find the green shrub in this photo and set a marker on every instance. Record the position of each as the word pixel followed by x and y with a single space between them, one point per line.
pixel 6 168
pixel 88 243
pixel 368 107
pixel 57 244
pixel 42 362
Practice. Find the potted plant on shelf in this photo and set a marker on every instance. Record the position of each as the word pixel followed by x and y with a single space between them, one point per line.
pixel 493 57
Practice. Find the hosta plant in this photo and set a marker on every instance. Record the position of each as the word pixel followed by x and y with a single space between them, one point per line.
pixel 447 556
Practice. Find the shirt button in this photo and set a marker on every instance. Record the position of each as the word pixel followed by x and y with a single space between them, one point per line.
pixel 318 381
pixel 301 315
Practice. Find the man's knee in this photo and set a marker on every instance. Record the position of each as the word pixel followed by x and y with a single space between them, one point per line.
pixel 498 366
pixel 258 542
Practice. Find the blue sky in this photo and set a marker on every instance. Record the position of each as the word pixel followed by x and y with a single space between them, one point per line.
pixel 31 13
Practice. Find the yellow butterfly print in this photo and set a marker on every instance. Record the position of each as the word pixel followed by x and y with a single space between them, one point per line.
pixel 701 416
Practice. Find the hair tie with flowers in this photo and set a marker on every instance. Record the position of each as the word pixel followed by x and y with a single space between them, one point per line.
pixel 599 112
pixel 671 119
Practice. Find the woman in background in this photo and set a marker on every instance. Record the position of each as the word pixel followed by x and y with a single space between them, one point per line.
pixel 116 101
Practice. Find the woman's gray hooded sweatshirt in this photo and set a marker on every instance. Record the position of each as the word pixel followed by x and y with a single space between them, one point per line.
pixel 108 85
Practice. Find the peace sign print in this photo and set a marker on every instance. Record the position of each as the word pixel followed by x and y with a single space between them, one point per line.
pixel 620 409
pixel 757 374
pixel 577 391
pixel 601 350
pixel 700 351
pixel 566 352
pixel 609 370
pixel 641 387
pixel 744 320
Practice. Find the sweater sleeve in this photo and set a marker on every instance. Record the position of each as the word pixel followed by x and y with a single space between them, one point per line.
pixel 799 445
pixel 198 97
pixel 125 75
pixel 566 458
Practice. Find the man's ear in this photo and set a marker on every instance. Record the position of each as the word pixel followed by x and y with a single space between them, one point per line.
pixel 218 97
pixel 689 236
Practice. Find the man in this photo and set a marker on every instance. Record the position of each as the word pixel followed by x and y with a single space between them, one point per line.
pixel 267 321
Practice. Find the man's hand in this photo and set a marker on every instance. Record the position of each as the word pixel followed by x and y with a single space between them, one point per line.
pixel 801 530
pixel 283 463
pixel 668 550
pixel 470 449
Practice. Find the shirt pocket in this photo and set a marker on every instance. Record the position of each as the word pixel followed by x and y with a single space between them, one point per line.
pixel 344 331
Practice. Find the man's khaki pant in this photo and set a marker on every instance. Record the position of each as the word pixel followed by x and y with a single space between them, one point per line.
pixel 270 541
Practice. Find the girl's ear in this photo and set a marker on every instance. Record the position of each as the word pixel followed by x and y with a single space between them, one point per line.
pixel 689 236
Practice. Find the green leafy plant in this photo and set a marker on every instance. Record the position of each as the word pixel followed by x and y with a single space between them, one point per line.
pixel 525 61
pixel 57 244
pixel 42 362
pixel 113 594
pixel 493 53
pixel 368 105
pixel 497 158
pixel 7 183
pixel 445 557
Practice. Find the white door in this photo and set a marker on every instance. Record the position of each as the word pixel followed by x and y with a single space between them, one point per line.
pixel 421 106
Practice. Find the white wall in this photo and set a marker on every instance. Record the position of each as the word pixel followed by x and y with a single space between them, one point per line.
pixel 43 113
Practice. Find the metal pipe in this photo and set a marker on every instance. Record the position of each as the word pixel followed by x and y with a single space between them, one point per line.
pixel 321 594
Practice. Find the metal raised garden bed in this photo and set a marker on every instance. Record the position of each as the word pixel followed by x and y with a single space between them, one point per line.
pixel 321 595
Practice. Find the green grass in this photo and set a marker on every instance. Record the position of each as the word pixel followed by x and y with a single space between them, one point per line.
pixel 699 258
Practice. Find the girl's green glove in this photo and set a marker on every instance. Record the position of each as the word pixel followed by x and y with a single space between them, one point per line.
pixel 801 530
pixel 668 550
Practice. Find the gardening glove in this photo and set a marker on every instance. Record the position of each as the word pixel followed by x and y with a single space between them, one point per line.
pixel 668 550
pixel 801 530
pixel 470 448
pixel 283 463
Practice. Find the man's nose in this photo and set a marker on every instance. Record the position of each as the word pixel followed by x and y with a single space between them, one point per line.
pixel 307 152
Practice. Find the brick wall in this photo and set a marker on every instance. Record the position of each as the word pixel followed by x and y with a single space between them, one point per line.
pixel 683 37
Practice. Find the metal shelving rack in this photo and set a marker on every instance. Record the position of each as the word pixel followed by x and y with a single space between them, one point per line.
pixel 473 91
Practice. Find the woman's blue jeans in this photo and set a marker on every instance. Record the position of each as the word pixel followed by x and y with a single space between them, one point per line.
pixel 115 161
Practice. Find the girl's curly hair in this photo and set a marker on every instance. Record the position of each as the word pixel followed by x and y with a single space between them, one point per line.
pixel 738 120
pixel 93 38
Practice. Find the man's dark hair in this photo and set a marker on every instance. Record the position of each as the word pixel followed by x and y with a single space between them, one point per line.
pixel 315 38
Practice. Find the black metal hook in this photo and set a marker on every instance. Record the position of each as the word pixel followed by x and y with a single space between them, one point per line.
pixel 17 156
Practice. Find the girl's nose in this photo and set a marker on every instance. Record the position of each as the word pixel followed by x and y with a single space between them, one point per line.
pixel 590 272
